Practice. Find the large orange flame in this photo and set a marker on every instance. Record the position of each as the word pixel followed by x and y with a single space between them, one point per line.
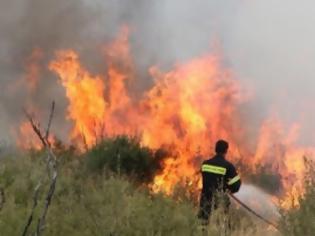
pixel 85 93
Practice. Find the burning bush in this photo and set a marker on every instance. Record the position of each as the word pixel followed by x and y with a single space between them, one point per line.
pixel 300 220
pixel 124 155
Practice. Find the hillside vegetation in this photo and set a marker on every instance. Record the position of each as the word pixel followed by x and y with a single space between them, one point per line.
pixel 97 193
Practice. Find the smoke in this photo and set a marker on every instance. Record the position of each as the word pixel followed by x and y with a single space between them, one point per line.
pixel 259 201
pixel 268 44
pixel 48 25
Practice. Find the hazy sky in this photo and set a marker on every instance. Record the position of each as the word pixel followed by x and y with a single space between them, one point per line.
pixel 270 44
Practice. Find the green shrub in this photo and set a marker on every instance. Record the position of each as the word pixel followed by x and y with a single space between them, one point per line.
pixel 124 155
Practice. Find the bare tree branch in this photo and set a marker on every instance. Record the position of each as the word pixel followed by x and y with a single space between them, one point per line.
pixel 36 128
pixel 42 219
pixel 35 202
pixel 51 163
pixel 50 121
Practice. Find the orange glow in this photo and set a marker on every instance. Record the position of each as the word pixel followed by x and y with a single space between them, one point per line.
pixel 279 149
pixel 26 137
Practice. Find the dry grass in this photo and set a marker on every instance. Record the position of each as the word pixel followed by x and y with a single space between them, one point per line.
pixel 101 204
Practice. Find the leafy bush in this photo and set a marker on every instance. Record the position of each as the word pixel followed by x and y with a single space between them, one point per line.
pixel 124 155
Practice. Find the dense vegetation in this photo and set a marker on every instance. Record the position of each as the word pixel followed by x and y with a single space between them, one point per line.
pixel 97 194
pixel 124 156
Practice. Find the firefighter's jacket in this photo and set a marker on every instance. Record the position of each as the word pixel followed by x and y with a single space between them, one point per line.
pixel 218 174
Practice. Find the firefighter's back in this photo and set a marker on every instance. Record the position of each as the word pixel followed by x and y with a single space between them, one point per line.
pixel 214 175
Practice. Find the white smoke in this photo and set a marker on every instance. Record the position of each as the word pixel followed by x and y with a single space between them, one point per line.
pixel 268 44
pixel 259 201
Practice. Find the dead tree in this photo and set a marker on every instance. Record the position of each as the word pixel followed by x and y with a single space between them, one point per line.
pixel 51 164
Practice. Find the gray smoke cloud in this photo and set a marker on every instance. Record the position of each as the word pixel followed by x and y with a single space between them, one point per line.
pixel 49 25
pixel 269 45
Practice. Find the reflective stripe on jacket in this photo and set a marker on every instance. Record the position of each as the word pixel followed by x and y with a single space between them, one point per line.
pixel 219 174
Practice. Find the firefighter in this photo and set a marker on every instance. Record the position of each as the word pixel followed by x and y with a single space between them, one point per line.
pixel 219 177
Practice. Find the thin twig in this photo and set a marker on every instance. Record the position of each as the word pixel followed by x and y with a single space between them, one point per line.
pixel 36 128
pixel 35 202
pixel 51 116
pixel 42 219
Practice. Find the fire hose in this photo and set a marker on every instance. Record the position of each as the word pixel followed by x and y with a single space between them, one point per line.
pixel 254 213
